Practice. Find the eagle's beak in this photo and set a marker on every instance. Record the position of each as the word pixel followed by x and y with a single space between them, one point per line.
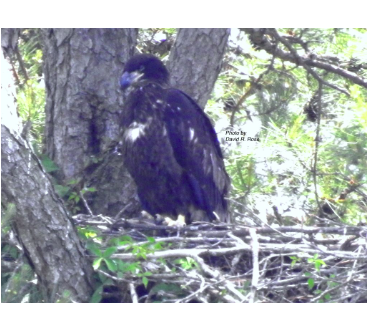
pixel 129 78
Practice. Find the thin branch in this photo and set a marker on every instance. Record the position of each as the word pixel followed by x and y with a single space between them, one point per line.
pixel 133 294
pixel 250 91
pixel 258 38
pixel 255 275
pixel 302 62
pixel 85 202
pixel 317 140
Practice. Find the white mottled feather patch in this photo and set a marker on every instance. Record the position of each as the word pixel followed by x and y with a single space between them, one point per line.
pixel 136 130
pixel 191 133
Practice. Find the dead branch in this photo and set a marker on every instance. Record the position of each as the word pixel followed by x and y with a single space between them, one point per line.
pixel 237 263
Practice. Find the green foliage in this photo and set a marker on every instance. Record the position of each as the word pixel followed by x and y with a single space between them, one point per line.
pixel 19 286
pixel 317 262
pixel 87 232
pixel 97 295
pixel 71 193
pixel 48 164
pixel 311 283
pixel 267 99
pixel 187 263
pixel 31 87
pixel 316 289
pixel 7 214
pixel 103 257
pixel 294 260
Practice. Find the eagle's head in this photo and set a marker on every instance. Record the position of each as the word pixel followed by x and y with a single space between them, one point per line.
pixel 144 67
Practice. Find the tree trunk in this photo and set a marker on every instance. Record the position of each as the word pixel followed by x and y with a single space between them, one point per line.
pixel 9 40
pixel 40 221
pixel 196 59
pixel 42 225
pixel 82 69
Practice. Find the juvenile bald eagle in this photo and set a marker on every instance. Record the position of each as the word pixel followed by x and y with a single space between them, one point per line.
pixel 170 147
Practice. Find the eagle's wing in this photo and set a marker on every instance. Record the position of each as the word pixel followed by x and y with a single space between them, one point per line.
pixel 196 149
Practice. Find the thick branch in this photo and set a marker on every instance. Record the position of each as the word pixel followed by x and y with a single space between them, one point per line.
pixel 42 225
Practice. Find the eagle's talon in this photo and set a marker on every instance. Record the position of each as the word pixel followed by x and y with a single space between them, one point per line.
pixel 179 223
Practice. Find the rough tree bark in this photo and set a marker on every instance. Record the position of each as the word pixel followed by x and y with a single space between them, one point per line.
pixel 48 237
pixel 82 69
pixel 9 39
pixel 196 59
pixel 40 221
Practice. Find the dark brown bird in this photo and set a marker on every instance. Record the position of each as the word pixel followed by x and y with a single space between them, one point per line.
pixel 170 147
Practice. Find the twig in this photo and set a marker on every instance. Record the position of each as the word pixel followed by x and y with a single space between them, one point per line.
pixel 133 294
pixel 301 62
pixel 85 203
pixel 255 274
pixel 317 140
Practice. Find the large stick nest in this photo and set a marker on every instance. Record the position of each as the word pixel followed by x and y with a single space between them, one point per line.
pixel 233 263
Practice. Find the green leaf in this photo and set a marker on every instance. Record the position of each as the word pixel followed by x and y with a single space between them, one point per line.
pixel 92 247
pixel 158 246
pixel 126 239
pixel 61 190
pixel 310 283
pixel 87 232
pixel 147 274
pixel 131 267
pixel 145 281
pixel 72 196
pixel 318 263
pixel 112 266
pixel 109 251
pixel 151 239
pixel 97 263
pixel 294 260
pixel 97 295
pixel 48 164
